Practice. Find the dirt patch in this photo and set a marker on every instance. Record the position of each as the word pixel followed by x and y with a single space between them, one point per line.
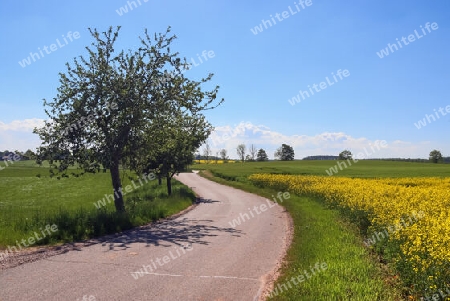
pixel 206 173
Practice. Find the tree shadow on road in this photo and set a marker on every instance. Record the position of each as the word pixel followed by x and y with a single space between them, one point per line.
pixel 183 232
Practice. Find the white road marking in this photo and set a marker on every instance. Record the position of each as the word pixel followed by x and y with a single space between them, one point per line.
pixel 221 277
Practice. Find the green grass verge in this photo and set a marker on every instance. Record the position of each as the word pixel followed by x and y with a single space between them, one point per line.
pixel 321 235
pixel 28 203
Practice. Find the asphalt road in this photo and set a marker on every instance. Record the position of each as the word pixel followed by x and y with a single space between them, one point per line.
pixel 197 256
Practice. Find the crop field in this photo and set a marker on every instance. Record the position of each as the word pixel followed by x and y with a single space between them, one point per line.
pixel 212 161
pixel 30 200
pixel 409 218
pixel 401 211
pixel 362 168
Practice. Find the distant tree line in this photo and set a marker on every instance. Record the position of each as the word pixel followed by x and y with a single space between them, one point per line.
pixel 284 153
pixel 321 157
pixel 244 154
pixel 28 155
pixel 435 156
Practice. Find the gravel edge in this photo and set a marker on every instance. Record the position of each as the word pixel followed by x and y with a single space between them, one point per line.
pixel 270 278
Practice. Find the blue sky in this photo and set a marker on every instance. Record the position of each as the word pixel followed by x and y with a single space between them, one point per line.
pixel 380 99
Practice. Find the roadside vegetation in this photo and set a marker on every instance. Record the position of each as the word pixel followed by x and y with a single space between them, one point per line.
pixel 30 202
pixel 119 116
pixel 323 233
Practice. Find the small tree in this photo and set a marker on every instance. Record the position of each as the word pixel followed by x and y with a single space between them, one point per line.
pixel 241 151
pixel 435 156
pixel 285 153
pixel 345 155
pixel 261 156
pixel 252 154
pixel 207 152
pixel 223 155
pixel 30 154
pixel 174 141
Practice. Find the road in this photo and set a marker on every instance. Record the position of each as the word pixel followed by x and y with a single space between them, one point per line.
pixel 197 256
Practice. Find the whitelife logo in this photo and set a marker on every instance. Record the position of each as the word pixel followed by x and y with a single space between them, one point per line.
pixel 411 38
pixel 49 229
pixel 319 87
pixel 131 5
pixel 266 24
pixel 34 56
pixel 243 217
pixel 151 268
pixel 341 164
pixel 423 122
pixel 108 198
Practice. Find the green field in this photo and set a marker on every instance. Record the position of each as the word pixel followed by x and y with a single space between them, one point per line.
pixel 30 200
pixel 323 234
pixel 362 168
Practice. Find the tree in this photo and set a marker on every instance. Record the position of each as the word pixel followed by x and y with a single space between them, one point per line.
pixel 241 152
pixel 30 154
pixel 285 153
pixel 223 155
pixel 261 156
pixel 252 151
pixel 207 152
pixel 345 155
pixel 174 146
pixel 106 105
pixel 435 156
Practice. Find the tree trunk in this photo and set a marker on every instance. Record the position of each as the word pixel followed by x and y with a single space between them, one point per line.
pixel 117 185
pixel 159 179
pixel 169 185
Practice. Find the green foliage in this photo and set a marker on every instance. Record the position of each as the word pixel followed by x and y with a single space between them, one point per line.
pixel 111 106
pixel 29 203
pixel 285 153
pixel 435 156
pixel 345 155
pixel 262 156
pixel 172 142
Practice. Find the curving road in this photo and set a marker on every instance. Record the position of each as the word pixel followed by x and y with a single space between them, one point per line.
pixel 200 255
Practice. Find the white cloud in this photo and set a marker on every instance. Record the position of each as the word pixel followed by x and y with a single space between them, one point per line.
pixel 25 125
pixel 327 143
pixel 18 134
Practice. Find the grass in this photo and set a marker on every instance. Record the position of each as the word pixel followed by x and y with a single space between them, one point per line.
pixel 29 203
pixel 363 169
pixel 322 234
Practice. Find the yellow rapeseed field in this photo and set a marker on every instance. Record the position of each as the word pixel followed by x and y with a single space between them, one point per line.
pixel 413 213
pixel 212 161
